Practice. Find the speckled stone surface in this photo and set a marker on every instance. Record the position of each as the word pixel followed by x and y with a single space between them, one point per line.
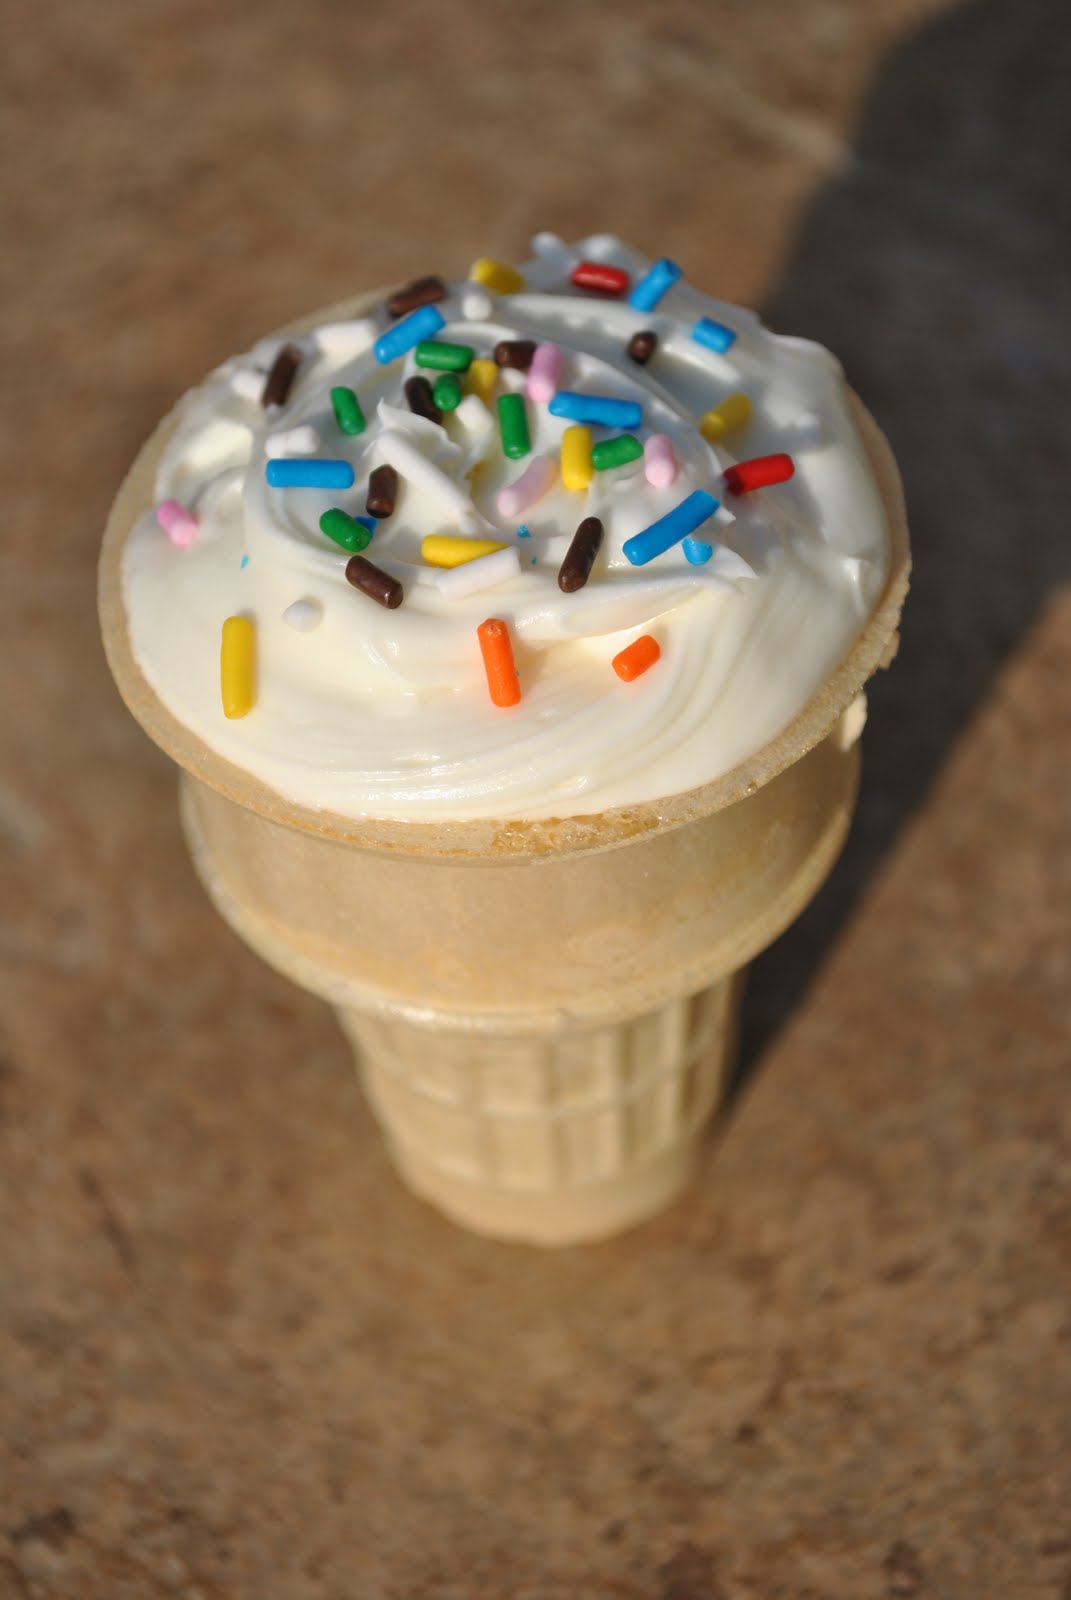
pixel 236 1358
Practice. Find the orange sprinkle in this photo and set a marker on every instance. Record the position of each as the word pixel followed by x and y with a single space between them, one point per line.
pixel 502 681
pixel 636 658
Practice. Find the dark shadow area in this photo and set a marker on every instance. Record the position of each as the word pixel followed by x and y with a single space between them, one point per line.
pixel 938 267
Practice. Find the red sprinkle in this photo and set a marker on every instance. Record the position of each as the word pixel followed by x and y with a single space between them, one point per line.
pixel 758 473
pixel 603 279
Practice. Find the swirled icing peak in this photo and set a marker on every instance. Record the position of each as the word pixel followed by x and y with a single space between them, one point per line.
pixel 665 507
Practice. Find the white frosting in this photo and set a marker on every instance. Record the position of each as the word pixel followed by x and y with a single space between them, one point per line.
pixel 369 711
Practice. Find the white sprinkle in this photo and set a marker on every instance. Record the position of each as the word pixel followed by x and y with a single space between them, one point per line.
pixel 476 305
pixel 341 340
pixel 304 615
pixel 474 416
pixel 248 384
pixel 302 441
pixel 453 583
pixel 547 244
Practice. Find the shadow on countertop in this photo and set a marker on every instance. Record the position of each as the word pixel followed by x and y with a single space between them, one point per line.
pixel 936 267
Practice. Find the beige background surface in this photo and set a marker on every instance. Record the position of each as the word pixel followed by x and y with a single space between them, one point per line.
pixel 236 1359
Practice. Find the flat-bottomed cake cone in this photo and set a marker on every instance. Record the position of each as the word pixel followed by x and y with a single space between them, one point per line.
pixel 542 1010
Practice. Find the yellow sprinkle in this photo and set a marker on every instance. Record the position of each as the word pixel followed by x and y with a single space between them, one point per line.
pixel 733 412
pixel 237 666
pixel 496 276
pixel 577 470
pixel 444 550
pixel 481 379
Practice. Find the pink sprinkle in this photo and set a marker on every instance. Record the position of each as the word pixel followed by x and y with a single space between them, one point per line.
pixel 178 522
pixel 544 373
pixel 532 485
pixel 659 462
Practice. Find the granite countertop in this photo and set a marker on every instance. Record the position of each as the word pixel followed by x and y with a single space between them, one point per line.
pixel 237 1358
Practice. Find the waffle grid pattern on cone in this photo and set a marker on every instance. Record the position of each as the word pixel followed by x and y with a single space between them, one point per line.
pixel 532 1114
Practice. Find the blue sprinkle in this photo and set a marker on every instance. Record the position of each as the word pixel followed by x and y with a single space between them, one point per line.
pixel 309 472
pixel 677 524
pixel 715 335
pixel 244 561
pixel 697 552
pixel 597 408
pixel 367 522
pixel 423 323
pixel 523 531
pixel 532 562
pixel 654 284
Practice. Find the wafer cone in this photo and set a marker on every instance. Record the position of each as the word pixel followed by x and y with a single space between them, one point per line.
pixel 544 1014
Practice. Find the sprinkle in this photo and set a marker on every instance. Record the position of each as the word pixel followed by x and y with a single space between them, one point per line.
pixel 443 356
pixel 421 292
pixel 714 335
pixel 544 372
pixel 446 550
pixel 446 393
pixel 577 468
pixel 642 346
pixel 308 472
pixel 374 582
pixel 343 340
pixel 503 684
pixel 244 562
pixel 523 531
pixel 421 401
pixel 515 353
pixel 759 473
pixel 616 451
pixel 248 383
pixel 636 658
pixel 280 379
pixel 534 482
pixel 301 441
pixel 659 461
pixel 656 281
pixel 684 519
pixel 600 278
pixel 732 412
pixel 575 570
pixel 347 409
pixel 476 305
pixel 237 666
pixel 513 426
pixel 696 552
pixel 304 615
pixel 382 492
pixel 403 455
pixel 345 530
pixel 597 408
pixel 454 583
pixel 496 276
pixel 481 379
pixel 474 416
pixel 405 335
pixel 178 522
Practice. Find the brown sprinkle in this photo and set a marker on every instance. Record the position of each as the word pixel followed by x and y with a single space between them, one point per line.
pixel 421 292
pixel 641 347
pixel 374 582
pixel 421 400
pixel 280 379
pixel 382 492
pixel 515 353
pixel 575 570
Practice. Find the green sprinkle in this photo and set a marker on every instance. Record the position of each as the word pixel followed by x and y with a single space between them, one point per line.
pixel 447 392
pixel 513 426
pixel 616 451
pixel 442 356
pixel 344 530
pixel 348 413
